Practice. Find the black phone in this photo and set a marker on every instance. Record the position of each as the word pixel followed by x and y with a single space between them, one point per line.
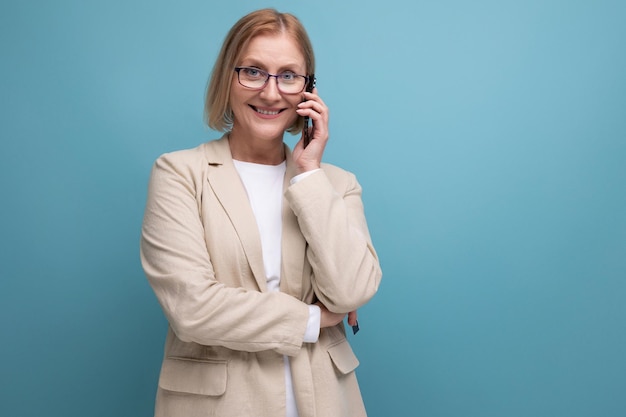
pixel 305 129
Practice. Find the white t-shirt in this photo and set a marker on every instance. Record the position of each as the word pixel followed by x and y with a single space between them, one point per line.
pixel 264 186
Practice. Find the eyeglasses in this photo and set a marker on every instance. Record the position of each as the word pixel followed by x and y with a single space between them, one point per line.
pixel 256 79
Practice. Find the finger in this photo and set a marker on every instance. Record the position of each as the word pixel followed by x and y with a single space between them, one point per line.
pixel 316 105
pixel 352 318
pixel 319 128
pixel 312 95
pixel 316 112
pixel 312 100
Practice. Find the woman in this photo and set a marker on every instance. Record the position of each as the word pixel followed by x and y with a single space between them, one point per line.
pixel 255 253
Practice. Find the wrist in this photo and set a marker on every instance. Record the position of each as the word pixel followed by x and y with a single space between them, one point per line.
pixel 303 175
pixel 308 168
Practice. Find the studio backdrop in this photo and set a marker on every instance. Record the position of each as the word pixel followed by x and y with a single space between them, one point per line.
pixel 490 141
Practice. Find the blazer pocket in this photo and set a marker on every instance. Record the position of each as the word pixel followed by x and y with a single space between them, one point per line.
pixel 194 376
pixel 343 357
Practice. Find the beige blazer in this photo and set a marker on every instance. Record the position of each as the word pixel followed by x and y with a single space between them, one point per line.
pixel 201 251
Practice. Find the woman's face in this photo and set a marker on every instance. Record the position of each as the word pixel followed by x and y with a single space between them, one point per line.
pixel 266 113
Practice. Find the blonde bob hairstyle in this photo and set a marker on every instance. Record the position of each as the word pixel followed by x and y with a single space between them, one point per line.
pixel 217 110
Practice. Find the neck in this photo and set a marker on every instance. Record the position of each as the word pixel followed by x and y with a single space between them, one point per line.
pixel 255 150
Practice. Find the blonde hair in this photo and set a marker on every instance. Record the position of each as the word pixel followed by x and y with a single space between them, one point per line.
pixel 217 111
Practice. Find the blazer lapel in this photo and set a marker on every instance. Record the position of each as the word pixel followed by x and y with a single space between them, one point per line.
pixel 231 193
pixel 293 242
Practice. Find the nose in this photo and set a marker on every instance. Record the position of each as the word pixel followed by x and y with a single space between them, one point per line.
pixel 271 90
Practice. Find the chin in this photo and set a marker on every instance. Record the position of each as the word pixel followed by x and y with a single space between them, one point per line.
pixel 272 132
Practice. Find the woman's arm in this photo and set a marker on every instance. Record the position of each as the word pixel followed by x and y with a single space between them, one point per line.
pixel 198 307
pixel 331 216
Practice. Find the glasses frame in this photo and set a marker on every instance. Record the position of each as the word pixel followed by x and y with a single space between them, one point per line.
pixel 267 79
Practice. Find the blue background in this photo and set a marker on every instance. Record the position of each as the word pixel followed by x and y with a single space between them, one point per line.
pixel 489 137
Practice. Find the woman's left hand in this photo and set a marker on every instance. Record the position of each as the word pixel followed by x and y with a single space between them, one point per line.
pixel 352 318
pixel 311 158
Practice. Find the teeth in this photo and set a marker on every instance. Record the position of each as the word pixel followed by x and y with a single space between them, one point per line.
pixel 267 112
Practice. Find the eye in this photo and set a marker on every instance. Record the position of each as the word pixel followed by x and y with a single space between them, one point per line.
pixel 288 76
pixel 253 73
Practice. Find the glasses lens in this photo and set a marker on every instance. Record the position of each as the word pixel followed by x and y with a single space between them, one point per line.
pixel 290 83
pixel 252 77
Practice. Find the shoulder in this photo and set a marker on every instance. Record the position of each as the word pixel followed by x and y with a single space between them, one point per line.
pixel 339 177
pixel 186 168
pixel 214 151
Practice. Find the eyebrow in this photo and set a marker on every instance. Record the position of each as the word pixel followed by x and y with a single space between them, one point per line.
pixel 253 62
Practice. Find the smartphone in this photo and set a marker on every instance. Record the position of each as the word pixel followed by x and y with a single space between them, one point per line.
pixel 307 133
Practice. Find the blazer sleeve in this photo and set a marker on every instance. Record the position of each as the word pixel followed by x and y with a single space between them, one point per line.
pixel 346 270
pixel 177 264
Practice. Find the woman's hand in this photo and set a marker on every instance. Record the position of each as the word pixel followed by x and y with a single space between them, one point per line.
pixel 310 158
pixel 352 318
pixel 329 319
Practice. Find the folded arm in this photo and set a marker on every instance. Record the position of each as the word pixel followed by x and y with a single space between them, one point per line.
pixel 331 217
pixel 198 307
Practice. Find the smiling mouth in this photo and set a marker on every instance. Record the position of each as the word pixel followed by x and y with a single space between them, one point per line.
pixel 266 112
